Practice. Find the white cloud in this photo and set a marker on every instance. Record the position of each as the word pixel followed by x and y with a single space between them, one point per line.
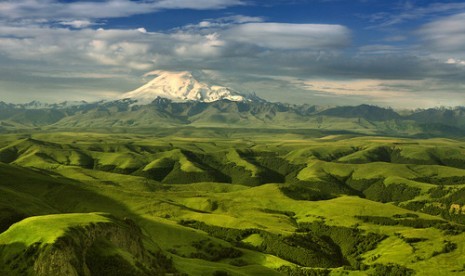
pixel 361 87
pixel 198 45
pixel 197 4
pixel 216 24
pixel 236 44
pixel 119 54
pixel 142 30
pixel 409 11
pixel 291 36
pixel 398 93
pixel 130 49
pixel 242 19
pixel 78 24
pixel 53 9
pixel 455 61
pixel 445 35
pixel 380 49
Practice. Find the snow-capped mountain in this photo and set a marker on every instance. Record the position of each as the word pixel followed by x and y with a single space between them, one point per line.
pixel 181 87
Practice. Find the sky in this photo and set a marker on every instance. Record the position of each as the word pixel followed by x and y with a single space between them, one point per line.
pixel 399 53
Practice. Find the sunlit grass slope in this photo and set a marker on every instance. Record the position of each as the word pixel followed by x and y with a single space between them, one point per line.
pixel 46 229
pixel 264 205
pixel 78 244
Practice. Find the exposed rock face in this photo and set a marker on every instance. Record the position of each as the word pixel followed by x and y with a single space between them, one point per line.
pixel 457 209
pixel 69 254
pixel 101 248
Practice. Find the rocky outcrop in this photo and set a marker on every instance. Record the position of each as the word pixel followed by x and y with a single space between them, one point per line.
pixel 457 209
pixel 115 247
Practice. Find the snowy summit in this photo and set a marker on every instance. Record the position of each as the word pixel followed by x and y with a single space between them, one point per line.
pixel 180 87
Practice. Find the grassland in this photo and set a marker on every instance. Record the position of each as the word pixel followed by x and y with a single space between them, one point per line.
pixel 290 203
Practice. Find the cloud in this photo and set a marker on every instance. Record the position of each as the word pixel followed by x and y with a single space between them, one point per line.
pixel 380 49
pixel 78 24
pixel 213 24
pixel 398 93
pixel 35 52
pixel 291 36
pixel 198 46
pixel 455 61
pixel 43 55
pixel 242 19
pixel 408 12
pixel 349 91
pixel 446 35
pixel 361 87
pixel 308 50
pixel 53 9
pixel 197 4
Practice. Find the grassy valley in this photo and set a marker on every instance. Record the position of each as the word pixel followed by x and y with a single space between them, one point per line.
pixel 289 203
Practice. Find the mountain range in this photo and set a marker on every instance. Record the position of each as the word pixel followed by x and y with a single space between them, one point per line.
pixel 175 99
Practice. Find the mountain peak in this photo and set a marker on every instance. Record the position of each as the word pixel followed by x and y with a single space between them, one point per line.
pixel 180 86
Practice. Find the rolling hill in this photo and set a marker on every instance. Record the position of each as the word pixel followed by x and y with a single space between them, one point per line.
pixel 240 205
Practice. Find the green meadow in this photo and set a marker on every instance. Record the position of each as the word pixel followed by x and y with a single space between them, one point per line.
pixel 230 202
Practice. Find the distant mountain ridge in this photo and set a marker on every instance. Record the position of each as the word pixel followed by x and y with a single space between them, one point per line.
pixel 174 99
pixel 40 105
pixel 225 113
pixel 369 112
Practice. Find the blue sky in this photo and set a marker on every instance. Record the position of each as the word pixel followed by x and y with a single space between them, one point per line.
pixel 404 54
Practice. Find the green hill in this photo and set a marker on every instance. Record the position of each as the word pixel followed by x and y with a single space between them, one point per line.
pixel 298 203
pixel 78 244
